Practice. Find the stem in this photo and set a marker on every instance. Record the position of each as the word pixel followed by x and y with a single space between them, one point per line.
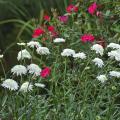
pixel 21 56
pixel 26 96
pixel 65 68
pixel 3 68
pixel 21 79
pixel 32 55
pixel 85 68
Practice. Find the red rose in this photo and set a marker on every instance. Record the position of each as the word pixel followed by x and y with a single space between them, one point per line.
pixel 45 72
pixel 37 32
pixel 51 28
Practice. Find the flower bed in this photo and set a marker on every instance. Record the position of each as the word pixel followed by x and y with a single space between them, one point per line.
pixel 66 71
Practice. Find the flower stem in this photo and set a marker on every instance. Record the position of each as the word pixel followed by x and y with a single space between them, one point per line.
pixel 3 68
pixel 65 68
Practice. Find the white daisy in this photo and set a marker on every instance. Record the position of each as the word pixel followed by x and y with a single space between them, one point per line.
pixel 34 69
pixel 25 87
pixel 33 44
pixel 43 51
pixel 1 56
pixel 115 54
pixel 98 49
pixel 68 52
pixel 21 44
pixel 59 40
pixel 113 46
pixel 39 85
pixel 80 55
pixel 10 84
pixel 102 78
pixel 114 74
pixel 19 70
pixel 23 54
pixel 99 62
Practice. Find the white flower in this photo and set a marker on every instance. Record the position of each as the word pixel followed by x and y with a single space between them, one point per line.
pixel 102 78
pixel 99 62
pixel 114 74
pixel 23 54
pixel 19 70
pixel 58 40
pixel 25 87
pixel 34 69
pixel 43 51
pixel 10 84
pixel 98 48
pixel 68 52
pixel 1 56
pixel 21 44
pixel 115 54
pixel 113 46
pixel 39 85
pixel 80 55
pixel 33 44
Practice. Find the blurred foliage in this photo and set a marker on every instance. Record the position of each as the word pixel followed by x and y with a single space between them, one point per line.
pixel 23 10
pixel 15 16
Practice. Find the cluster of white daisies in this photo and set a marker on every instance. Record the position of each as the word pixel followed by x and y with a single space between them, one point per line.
pixel 35 70
pixel 20 70
pixel 114 54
